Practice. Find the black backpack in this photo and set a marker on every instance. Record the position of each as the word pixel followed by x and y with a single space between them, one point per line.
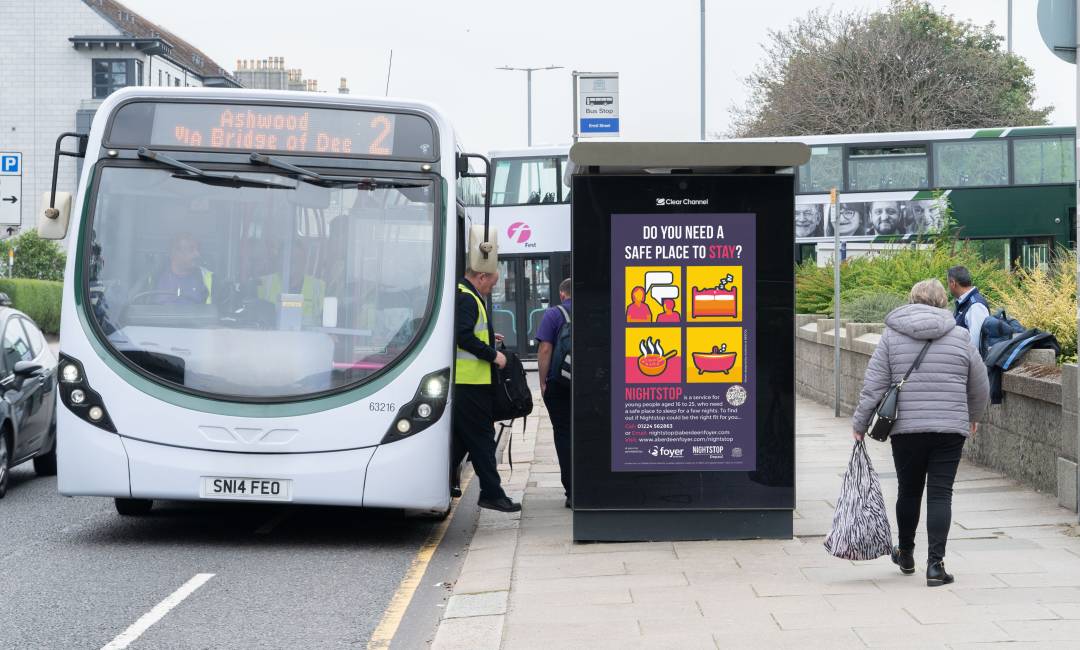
pixel 996 329
pixel 513 397
pixel 560 372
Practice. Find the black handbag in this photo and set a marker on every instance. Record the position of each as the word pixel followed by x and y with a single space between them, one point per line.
pixel 885 413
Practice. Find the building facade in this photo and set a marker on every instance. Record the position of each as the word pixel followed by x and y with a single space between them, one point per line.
pixel 58 60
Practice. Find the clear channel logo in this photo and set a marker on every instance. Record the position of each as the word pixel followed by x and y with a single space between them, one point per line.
pixel 663 452
pixel 664 202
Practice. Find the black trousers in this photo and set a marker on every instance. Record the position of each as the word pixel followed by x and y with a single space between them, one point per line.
pixel 557 400
pixel 474 433
pixel 930 460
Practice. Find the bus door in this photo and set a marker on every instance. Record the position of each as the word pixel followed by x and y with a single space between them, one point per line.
pixel 527 286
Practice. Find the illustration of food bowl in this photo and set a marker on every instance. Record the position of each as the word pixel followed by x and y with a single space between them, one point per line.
pixel 653 360
pixel 719 360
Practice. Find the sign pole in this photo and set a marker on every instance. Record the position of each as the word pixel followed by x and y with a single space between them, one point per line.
pixel 574 95
pixel 702 70
pixel 836 302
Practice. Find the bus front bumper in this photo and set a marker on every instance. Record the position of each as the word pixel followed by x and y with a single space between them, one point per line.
pixel 404 474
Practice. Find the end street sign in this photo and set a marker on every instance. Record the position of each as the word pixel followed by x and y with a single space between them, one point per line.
pixel 10 188
pixel 596 105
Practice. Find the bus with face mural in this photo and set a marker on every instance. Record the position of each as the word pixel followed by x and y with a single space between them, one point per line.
pixel 258 303
pixel 1009 190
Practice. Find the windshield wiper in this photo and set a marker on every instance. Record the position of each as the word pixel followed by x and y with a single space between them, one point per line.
pixel 303 174
pixel 325 180
pixel 213 178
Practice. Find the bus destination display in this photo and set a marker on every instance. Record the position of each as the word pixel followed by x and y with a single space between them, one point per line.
pixel 684 337
pixel 273 128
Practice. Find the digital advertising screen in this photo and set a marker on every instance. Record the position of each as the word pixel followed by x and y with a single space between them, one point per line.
pixel 683 350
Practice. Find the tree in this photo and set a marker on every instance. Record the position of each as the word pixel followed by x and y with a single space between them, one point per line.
pixel 908 68
pixel 37 258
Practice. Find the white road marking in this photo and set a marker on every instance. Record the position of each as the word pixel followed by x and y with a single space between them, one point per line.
pixel 125 638
pixel 273 522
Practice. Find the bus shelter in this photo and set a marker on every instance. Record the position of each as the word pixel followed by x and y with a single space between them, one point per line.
pixel 683 357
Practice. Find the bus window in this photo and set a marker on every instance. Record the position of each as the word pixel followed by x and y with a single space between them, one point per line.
pixel 992 250
pixel 525 181
pixel 971 163
pixel 255 292
pixel 564 186
pixel 1041 161
pixel 824 170
pixel 887 167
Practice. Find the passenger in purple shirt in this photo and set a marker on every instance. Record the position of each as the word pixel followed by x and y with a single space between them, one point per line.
pixel 556 396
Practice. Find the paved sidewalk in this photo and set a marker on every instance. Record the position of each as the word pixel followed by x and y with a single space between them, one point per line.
pixel 524 584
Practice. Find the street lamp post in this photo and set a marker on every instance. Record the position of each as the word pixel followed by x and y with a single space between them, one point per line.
pixel 528 80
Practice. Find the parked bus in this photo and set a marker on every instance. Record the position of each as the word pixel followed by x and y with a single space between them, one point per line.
pixel 258 304
pixel 1012 190
pixel 530 210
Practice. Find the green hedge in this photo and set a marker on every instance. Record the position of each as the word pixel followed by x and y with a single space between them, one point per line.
pixel 893 272
pixel 38 299
pixel 871 307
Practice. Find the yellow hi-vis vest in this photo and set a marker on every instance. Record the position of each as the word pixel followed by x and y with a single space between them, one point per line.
pixel 314 290
pixel 468 368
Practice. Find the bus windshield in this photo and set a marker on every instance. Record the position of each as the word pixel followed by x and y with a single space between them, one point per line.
pixel 259 292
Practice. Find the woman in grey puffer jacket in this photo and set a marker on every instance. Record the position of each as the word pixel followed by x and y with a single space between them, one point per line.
pixel 939 407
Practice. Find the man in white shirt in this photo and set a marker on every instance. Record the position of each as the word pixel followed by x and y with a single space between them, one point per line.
pixel 971 307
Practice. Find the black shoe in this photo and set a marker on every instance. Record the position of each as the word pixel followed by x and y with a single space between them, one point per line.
pixel 502 504
pixel 936 576
pixel 455 491
pixel 904 559
pixel 567 504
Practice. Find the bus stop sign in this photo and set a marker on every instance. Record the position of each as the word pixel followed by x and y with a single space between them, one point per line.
pixel 596 104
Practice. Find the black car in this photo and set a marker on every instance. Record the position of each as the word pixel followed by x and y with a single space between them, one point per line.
pixel 28 385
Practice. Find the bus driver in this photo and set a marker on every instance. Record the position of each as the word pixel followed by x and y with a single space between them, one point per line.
pixel 183 281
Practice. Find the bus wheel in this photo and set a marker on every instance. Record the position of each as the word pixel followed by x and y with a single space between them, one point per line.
pixel 134 507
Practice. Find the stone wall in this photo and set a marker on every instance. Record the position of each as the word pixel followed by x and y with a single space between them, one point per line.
pixel 1031 436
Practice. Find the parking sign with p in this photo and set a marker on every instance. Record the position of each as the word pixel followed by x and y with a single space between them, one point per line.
pixel 11 164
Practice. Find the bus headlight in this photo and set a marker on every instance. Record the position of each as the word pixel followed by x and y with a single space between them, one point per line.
pixel 79 398
pixel 435 387
pixel 425 408
pixel 69 373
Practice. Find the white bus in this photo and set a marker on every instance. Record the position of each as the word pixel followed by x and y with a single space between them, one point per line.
pixel 530 211
pixel 258 303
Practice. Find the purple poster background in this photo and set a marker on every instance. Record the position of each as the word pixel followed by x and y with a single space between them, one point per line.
pixel 684 303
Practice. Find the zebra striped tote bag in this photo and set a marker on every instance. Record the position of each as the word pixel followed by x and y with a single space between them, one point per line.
pixel 860 527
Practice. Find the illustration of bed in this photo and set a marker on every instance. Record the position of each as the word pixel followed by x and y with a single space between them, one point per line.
pixel 714 302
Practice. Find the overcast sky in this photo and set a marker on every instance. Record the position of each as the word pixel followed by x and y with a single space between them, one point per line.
pixel 446 52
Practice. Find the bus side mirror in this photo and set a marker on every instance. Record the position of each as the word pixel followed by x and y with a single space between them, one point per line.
pixel 483 255
pixel 53 222
pixel 57 213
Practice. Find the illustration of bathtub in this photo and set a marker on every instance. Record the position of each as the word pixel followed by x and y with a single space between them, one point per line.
pixel 714 302
pixel 714 361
